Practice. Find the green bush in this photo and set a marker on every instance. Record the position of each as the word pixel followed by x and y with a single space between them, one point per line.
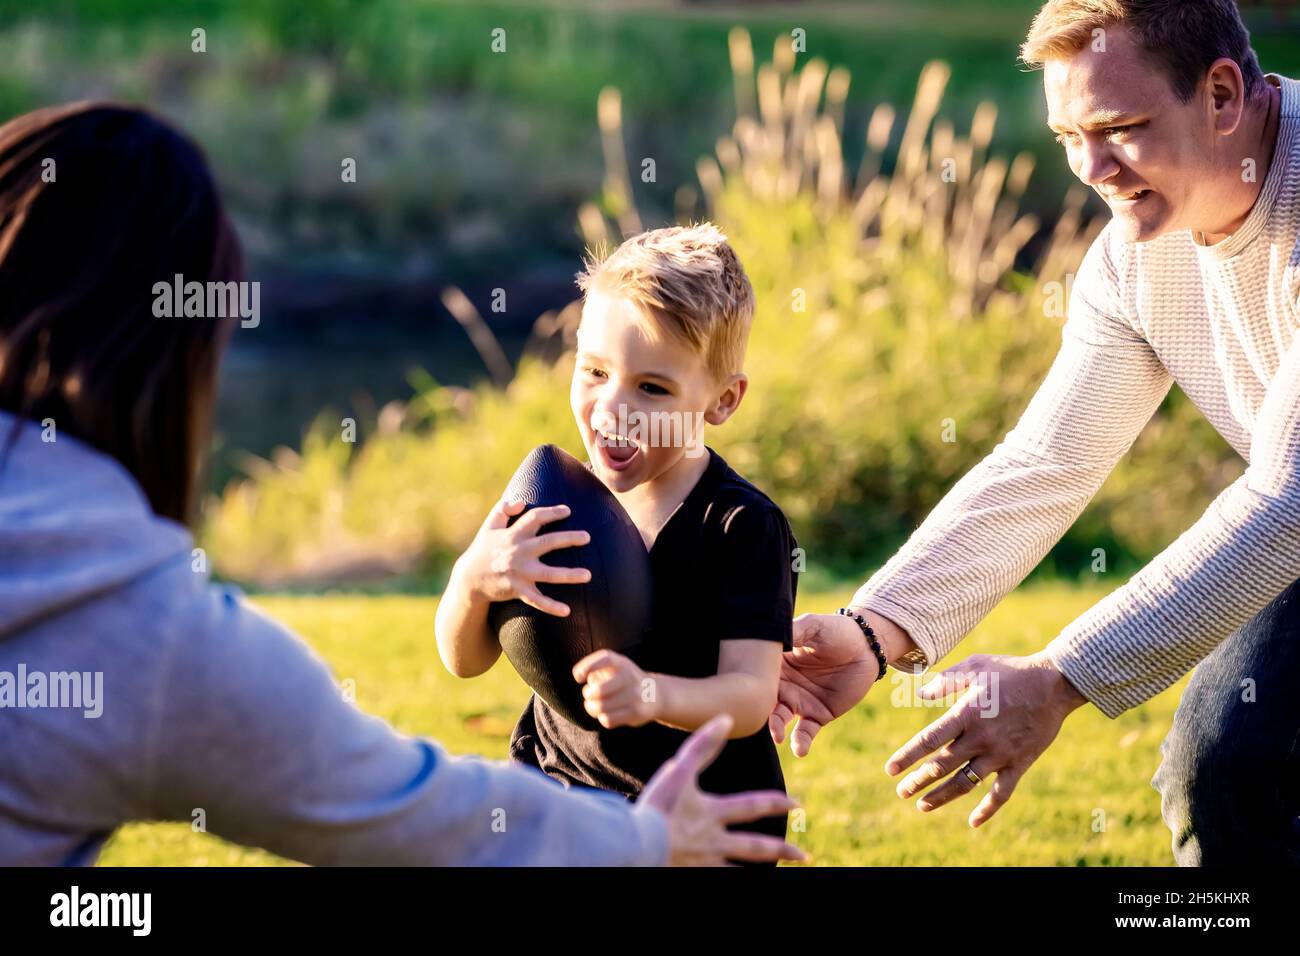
pixel 893 347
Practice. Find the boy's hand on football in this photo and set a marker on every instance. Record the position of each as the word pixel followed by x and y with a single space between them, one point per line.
pixel 505 560
pixel 618 693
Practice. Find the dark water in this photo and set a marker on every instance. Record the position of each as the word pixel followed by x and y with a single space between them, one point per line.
pixel 270 394
pixel 352 343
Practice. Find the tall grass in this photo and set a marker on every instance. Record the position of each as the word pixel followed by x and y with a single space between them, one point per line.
pixel 895 342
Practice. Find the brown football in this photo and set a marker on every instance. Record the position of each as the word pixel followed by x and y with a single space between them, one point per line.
pixel 611 611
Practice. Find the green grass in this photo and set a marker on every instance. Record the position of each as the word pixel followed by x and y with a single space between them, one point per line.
pixel 385 644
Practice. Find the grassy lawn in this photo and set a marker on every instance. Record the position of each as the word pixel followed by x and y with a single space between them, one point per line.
pixel 385 645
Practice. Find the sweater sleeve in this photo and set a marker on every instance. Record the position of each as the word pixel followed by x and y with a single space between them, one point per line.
pixel 1238 557
pixel 1003 516
pixel 253 732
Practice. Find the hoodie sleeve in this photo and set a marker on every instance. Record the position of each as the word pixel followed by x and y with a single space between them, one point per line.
pixel 253 731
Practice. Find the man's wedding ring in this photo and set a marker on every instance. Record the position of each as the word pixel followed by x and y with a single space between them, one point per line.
pixel 971 775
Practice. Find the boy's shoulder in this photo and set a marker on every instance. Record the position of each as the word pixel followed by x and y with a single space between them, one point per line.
pixel 735 498
pixel 751 549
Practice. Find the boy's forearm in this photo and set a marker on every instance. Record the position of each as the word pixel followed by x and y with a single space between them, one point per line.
pixel 465 643
pixel 688 703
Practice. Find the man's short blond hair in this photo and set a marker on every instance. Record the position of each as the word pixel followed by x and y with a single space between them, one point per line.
pixel 1182 36
pixel 690 282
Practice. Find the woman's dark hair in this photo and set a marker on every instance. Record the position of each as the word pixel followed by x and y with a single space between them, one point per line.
pixel 98 202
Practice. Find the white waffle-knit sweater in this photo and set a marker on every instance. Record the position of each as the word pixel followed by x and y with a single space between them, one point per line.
pixel 1219 320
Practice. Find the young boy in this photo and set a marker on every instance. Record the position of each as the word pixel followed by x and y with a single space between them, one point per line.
pixel 661 347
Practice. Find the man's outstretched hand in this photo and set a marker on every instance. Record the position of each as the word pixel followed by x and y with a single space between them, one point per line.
pixel 1008 711
pixel 829 671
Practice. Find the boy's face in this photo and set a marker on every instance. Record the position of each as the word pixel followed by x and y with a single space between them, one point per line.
pixel 641 401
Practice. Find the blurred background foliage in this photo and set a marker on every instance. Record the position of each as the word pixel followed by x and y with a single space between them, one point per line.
pixel 924 302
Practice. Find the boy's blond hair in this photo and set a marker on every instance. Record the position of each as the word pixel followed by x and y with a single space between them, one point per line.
pixel 1182 36
pixel 688 279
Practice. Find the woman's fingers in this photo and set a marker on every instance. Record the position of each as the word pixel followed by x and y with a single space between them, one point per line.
pixel 747 807
pixel 701 747
pixel 760 848
pixel 676 776
pixel 673 790
pixel 943 763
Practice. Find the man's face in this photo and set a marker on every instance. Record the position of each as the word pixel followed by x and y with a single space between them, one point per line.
pixel 639 401
pixel 1128 136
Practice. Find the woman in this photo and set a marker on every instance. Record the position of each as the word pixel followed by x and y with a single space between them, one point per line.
pixel 130 687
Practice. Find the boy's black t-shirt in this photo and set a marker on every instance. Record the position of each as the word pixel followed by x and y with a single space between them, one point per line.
pixel 722 570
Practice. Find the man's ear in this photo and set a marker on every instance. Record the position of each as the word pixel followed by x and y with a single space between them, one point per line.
pixel 1227 91
pixel 728 400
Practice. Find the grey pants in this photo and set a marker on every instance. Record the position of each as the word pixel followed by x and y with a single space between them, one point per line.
pixel 1229 777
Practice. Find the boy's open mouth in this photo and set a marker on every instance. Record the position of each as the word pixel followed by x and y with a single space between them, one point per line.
pixel 616 451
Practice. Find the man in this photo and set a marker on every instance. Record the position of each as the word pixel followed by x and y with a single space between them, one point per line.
pixel 1162 109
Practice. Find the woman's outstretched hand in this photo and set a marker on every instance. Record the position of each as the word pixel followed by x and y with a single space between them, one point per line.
pixel 829 671
pixel 697 821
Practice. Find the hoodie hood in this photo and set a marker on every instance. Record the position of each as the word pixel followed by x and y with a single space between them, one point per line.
pixel 74 525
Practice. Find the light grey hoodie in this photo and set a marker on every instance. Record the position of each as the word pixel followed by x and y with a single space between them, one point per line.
pixel 208 705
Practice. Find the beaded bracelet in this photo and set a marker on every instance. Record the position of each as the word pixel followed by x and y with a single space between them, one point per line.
pixel 871 638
